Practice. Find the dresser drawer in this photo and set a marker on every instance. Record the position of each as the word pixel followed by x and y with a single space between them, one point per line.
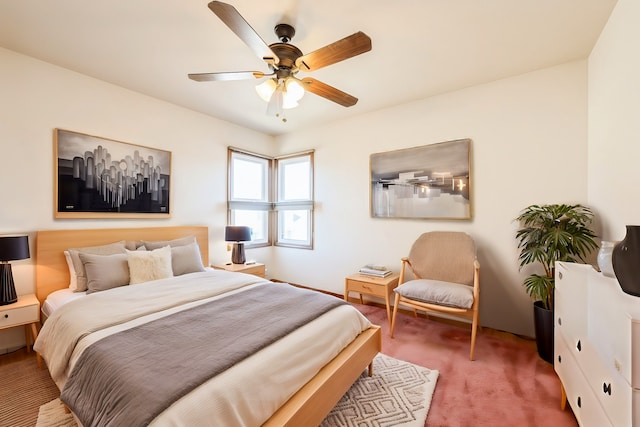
pixel 613 330
pixel 570 320
pixel 580 397
pixel 609 387
pixel 19 316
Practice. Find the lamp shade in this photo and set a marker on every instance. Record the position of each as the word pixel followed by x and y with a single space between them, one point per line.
pixel 237 233
pixel 11 248
pixel 14 248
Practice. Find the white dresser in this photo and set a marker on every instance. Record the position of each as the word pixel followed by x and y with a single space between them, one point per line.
pixel 597 347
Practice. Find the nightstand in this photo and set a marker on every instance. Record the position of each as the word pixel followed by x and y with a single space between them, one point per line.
pixel 26 311
pixel 377 286
pixel 256 269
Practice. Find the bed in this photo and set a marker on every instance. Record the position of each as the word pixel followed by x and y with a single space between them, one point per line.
pixel 299 392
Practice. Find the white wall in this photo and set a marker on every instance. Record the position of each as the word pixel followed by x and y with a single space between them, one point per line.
pixel 535 121
pixel 528 146
pixel 614 124
pixel 37 97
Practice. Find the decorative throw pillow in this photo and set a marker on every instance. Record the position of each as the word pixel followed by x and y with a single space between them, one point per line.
pixel 105 271
pixel 145 266
pixel 186 259
pixel 73 278
pixel 110 249
pixel 173 243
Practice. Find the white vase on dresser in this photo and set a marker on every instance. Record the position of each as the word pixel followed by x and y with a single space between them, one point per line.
pixel 597 346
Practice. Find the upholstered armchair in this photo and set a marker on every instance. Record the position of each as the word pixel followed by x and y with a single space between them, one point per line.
pixel 446 278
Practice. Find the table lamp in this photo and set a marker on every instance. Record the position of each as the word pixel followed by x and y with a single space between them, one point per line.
pixel 11 248
pixel 237 234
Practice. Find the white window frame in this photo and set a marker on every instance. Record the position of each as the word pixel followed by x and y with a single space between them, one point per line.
pixel 236 205
pixel 284 205
pixel 272 203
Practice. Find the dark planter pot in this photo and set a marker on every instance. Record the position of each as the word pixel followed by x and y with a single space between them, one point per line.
pixel 543 322
pixel 625 257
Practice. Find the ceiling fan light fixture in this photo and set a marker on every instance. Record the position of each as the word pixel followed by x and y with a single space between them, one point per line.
pixel 294 89
pixel 266 89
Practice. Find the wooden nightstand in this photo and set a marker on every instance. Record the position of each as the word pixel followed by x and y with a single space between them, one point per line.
pixel 377 286
pixel 26 311
pixel 256 269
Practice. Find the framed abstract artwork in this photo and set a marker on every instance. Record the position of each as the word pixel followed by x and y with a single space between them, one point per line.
pixel 102 178
pixel 428 182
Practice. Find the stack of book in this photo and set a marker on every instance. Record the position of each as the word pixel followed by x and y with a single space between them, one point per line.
pixel 375 270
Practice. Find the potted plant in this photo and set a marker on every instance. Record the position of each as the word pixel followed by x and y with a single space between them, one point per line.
pixel 550 233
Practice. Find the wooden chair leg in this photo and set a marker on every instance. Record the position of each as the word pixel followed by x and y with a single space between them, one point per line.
pixel 393 317
pixel 474 330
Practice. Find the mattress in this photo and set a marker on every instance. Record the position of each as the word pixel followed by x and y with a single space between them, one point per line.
pixel 246 394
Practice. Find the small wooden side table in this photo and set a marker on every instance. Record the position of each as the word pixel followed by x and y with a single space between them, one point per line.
pixel 377 286
pixel 257 269
pixel 26 311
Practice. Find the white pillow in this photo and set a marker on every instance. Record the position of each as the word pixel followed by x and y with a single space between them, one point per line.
pixel 145 266
pixel 73 278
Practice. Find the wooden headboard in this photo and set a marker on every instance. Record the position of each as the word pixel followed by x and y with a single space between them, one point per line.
pixel 52 272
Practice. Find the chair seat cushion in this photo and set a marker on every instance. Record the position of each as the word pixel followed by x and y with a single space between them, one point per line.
pixel 437 292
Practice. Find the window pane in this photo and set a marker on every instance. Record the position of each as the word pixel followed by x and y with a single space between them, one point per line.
pixel 294 226
pixel 295 178
pixel 248 177
pixel 257 220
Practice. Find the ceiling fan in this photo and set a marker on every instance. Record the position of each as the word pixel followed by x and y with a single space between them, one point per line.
pixel 283 89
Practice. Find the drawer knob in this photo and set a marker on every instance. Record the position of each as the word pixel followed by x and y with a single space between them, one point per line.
pixel 606 388
pixel 579 346
pixel 579 402
pixel 560 275
pixel 560 321
pixel 6 316
pixel 559 358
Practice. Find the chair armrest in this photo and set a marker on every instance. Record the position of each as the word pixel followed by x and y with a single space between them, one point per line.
pixel 405 261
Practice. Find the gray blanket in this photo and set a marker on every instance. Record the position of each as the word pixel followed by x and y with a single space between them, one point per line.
pixel 130 377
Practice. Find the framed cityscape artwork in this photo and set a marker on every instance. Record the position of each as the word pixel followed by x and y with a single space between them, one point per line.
pixel 102 178
pixel 429 182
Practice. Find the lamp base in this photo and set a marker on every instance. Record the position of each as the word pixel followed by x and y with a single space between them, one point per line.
pixel 7 288
pixel 237 253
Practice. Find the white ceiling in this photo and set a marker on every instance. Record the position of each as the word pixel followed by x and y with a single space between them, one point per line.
pixel 420 47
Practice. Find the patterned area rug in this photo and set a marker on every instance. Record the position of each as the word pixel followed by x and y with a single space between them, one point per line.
pixel 398 394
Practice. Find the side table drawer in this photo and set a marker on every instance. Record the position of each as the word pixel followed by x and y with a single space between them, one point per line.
pixel 18 316
pixel 257 270
pixel 367 288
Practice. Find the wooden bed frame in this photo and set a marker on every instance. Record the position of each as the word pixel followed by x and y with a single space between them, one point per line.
pixel 308 406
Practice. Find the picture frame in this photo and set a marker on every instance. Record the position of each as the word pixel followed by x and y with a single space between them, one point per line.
pixel 425 182
pixel 97 177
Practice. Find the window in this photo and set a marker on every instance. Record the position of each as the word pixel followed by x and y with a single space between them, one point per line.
pixel 272 196
pixel 248 195
pixel 294 204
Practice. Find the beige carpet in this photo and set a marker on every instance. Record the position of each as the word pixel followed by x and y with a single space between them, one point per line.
pixel 398 394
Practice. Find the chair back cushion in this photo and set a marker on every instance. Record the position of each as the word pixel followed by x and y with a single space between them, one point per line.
pixel 444 255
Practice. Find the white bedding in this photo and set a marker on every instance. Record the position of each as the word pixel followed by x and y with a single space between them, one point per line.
pixel 245 395
pixel 57 299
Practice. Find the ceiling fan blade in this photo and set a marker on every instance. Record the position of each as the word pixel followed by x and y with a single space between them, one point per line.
pixel 218 77
pixel 348 47
pixel 329 92
pixel 236 23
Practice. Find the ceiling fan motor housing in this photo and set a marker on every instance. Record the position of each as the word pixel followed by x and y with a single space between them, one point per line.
pixel 285 32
